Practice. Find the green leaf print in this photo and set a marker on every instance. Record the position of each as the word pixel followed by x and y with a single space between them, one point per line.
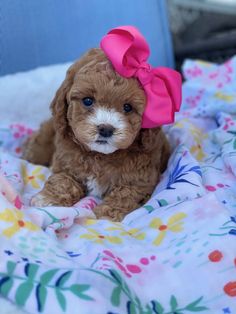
pixel 149 208
pixel 45 283
pixel 30 282
pixel 6 284
pixel 157 307
pixel 232 132
pixel 78 291
pixel 116 276
pixel 173 303
pixel 234 145
pixel 47 277
pixel 23 292
pixel 175 309
pixel 193 306
pixel 10 267
pixel 197 309
pixel 61 299
pixel 138 302
pixel 162 202
pixel 228 141
pixel 63 278
pixel 31 270
pixel 115 297
pixel 119 280
pixel 148 310
pixel 41 295
pixel 131 308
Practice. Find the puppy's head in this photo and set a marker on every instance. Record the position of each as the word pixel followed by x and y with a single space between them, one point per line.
pixel 97 107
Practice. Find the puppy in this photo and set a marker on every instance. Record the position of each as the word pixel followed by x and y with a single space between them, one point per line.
pixel 94 141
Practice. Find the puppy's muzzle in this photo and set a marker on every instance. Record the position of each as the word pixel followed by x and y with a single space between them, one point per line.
pixel 106 130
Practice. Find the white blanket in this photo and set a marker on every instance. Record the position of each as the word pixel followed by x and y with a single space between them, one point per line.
pixel 176 254
pixel 25 97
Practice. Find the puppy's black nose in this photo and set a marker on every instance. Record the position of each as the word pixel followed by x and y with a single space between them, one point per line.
pixel 105 130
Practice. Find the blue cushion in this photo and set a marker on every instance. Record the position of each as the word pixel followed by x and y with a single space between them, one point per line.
pixel 42 32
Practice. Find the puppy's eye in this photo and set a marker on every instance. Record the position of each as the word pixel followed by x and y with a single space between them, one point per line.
pixel 87 101
pixel 127 108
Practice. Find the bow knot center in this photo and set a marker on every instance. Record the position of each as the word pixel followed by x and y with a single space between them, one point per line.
pixel 144 73
pixel 145 66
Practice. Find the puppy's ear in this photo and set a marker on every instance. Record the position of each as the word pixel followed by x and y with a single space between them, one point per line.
pixel 59 104
pixel 150 138
pixel 155 140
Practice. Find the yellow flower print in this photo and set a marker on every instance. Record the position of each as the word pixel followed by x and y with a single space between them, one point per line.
pixel 90 221
pixel 197 151
pixel 33 177
pixel 204 63
pixel 225 97
pixel 100 238
pixel 174 224
pixel 133 232
pixel 197 137
pixel 180 124
pixel 16 218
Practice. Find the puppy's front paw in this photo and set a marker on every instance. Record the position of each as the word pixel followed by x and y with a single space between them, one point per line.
pixel 42 200
pixel 106 212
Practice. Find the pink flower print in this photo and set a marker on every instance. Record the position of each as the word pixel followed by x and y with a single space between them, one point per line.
pixel 228 66
pixel 222 76
pixel 213 75
pixel 109 256
pixel 91 204
pixel 133 268
pixel 194 72
pixel 16 135
pixel 228 122
pixel 186 114
pixel 228 79
pixel 212 188
pixel 145 260
pixel 203 213
pixel 17 202
pixel 61 233
pixel 20 130
pixel 87 203
pixel 127 269
pixel 193 101
pixel 229 70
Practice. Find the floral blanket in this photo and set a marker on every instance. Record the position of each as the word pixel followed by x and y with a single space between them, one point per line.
pixel 176 254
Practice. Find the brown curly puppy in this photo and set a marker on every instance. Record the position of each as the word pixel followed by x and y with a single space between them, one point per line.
pixel 97 143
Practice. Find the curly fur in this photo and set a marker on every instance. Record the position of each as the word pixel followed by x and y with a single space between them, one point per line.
pixel 123 172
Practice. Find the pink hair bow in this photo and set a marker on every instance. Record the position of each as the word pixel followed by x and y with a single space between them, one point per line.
pixel 128 52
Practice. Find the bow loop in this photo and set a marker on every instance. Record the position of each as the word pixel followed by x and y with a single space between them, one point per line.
pixel 128 52
pixel 126 48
